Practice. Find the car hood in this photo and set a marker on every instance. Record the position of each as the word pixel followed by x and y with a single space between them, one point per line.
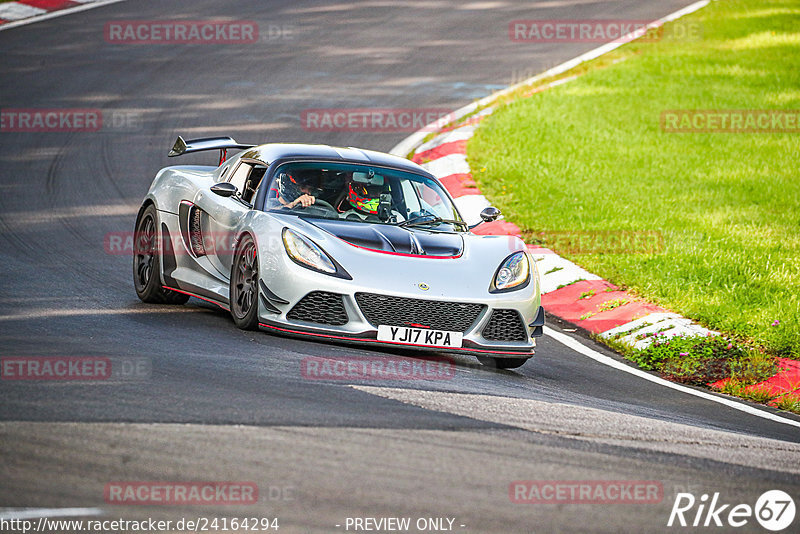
pixel 393 239
pixel 465 277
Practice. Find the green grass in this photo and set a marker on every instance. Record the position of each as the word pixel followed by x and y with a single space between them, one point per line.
pixel 590 155
pixel 703 360
pixel 789 403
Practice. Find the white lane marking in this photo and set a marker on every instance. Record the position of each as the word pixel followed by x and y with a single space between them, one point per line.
pixel 34 513
pixel 17 11
pixel 580 348
pixel 60 13
pixel 409 143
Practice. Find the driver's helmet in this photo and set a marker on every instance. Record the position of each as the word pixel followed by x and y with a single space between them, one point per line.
pixel 364 198
pixel 291 184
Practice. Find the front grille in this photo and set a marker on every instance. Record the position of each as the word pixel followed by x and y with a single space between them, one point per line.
pixel 402 311
pixel 320 307
pixel 505 325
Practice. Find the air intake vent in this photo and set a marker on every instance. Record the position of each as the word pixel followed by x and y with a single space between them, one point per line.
pixel 505 325
pixel 320 307
pixel 196 232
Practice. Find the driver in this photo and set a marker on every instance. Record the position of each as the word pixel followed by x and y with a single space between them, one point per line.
pixel 297 188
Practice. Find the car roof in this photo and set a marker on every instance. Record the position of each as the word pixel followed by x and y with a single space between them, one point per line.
pixel 275 151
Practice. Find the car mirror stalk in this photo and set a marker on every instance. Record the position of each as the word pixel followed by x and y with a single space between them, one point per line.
pixel 488 214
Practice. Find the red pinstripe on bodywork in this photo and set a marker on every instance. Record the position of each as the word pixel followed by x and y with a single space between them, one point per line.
pixel 366 340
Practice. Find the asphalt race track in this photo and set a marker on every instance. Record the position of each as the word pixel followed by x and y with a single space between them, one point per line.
pixel 219 404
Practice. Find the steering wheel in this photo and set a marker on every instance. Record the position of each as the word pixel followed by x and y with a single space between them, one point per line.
pixel 325 204
pixel 322 204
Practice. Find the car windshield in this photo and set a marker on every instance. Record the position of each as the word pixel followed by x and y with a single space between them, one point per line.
pixel 362 194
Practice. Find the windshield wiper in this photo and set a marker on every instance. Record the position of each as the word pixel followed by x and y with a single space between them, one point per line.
pixel 424 220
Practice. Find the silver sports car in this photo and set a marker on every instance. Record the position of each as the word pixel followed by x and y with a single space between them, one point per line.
pixel 339 244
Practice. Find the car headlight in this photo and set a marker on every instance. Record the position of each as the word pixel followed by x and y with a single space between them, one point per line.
pixel 307 253
pixel 514 273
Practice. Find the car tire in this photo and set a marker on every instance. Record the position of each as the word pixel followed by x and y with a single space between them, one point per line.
pixel 502 363
pixel 244 285
pixel 147 264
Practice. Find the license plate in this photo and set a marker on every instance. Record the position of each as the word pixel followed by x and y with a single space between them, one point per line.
pixel 419 336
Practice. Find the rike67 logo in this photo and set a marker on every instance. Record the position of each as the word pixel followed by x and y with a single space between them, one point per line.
pixel 774 510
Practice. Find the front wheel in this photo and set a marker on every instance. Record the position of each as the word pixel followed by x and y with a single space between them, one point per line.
pixel 502 363
pixel 146 263
pixel 244 285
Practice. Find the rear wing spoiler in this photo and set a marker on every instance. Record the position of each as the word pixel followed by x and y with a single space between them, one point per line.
pixel 222 144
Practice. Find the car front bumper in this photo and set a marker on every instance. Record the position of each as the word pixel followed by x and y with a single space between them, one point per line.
pixel 484 335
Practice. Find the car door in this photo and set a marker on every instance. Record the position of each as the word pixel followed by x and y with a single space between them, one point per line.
pixel 219 218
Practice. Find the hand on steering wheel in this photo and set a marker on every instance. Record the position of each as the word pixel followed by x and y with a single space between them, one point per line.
pixel 319 203
pixel 304 201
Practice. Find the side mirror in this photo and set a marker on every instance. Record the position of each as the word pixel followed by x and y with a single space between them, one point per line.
pixel 224 189
pixel 490 214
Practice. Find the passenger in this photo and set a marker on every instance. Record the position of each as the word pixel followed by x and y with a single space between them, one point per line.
pixel 364 201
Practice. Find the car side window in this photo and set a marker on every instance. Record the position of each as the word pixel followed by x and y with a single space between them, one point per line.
pixel 252 183
pixel 239 176
pixel 410 196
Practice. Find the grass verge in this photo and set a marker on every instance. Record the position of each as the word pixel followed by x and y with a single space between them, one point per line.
pixel 591 156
